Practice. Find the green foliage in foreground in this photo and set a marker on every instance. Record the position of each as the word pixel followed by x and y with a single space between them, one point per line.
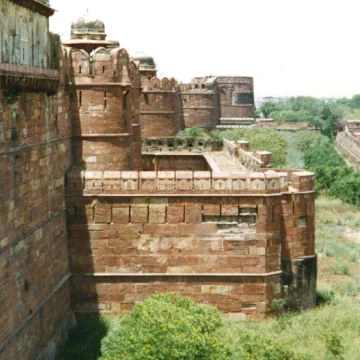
pixel 167 326
pixel 331 331
pixel 328 332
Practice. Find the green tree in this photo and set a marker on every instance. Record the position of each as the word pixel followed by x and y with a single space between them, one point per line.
pixel 268 107
pixel 355 102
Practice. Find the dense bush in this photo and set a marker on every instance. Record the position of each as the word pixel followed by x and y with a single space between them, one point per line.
pixel 164 327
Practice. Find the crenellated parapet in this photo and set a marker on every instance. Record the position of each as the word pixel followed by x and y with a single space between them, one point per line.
pixel 101 66
pixel 160 107
pixel 156 84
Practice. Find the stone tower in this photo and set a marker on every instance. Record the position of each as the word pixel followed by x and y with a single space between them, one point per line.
pixel 104 111
pixel 147 65
pixel 160 110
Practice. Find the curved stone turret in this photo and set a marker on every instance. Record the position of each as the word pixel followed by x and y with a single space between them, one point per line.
pixel 104 112
pixel 160 107
pixel 147 64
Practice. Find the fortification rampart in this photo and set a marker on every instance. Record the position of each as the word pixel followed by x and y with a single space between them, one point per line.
pixel 348 144
pixel 34 276
pixel 132 234
pixel 160 113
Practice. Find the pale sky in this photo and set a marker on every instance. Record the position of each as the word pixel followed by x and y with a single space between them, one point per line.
pixel 290 47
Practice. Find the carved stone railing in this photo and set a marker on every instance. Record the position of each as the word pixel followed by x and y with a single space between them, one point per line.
pixel 177 144
pixel 184 182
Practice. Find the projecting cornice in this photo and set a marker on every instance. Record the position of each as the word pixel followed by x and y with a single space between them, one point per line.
pixel 40 6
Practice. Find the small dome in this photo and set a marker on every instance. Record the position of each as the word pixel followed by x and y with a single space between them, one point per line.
pixel 88 24
pixel 144 59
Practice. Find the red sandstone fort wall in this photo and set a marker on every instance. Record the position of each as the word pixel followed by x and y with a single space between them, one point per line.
pixel 34 269
pixel 236 97
pixel 104 109
pixel 160 108
pixel 200 234
pixel 184 244
pixel 199 108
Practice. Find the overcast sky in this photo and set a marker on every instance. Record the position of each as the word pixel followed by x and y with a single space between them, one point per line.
pixel 290 47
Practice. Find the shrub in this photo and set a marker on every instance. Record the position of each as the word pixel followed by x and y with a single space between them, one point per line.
pixel 167 326
pixel 324 297
pixel 340 269
pixel 195 132
pixel 278 305
pixel 334 347
pixel 258 347
pixel 84 340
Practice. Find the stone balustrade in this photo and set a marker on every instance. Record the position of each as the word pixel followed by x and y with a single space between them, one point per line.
pixel 188 144
pixel 186 182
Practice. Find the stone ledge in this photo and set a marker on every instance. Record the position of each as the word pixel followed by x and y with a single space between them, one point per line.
pixel 184 275
pixel 40 6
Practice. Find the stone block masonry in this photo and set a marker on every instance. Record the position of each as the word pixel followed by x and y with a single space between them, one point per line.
pixel 225 247
pixel 84 228
pixel 34 268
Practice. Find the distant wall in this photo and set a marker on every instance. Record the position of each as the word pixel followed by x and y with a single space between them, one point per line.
pixel 160 113
pixel 349 146
pixel 199 108
pixel 236 97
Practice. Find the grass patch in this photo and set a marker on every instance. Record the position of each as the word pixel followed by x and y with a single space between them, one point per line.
pixel 316 334
pixel 340 269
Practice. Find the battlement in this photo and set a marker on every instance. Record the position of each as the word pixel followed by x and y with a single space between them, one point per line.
pixel 156 84
pixel 100 67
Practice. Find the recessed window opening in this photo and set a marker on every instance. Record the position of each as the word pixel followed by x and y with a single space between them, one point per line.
pixel 80 99
pixel 105 100
pixel 146 99
pixel 103 69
